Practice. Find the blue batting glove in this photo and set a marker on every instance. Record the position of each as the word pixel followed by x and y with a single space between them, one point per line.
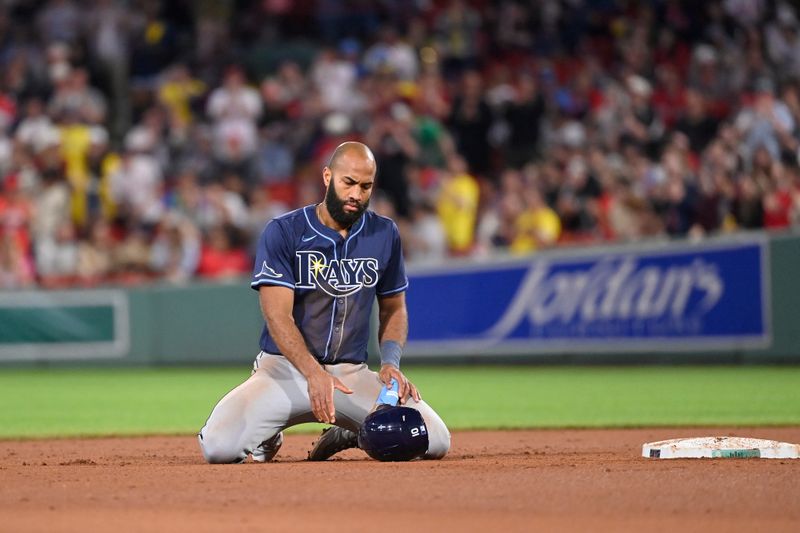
pixel 389 395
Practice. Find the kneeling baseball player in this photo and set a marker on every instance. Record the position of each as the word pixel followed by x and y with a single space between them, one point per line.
pixel 317 272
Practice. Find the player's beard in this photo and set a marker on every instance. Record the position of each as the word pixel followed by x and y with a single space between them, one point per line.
pixel 336 205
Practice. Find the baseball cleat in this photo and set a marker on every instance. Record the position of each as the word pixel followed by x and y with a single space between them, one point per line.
pixel 332 441
pixel 268 449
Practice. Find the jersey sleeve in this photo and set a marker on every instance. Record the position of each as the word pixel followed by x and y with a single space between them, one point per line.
pixel 274 258
pixel 394 278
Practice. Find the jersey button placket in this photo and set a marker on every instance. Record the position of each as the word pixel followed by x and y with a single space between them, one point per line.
pixel 338 328
pixel 336 338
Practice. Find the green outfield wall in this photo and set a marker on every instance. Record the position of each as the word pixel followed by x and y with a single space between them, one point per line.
pixel 204 323
pixel 159 324
pixel 785 291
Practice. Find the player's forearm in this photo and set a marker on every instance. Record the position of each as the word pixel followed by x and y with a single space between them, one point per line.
pixel 276 307
pixel 291 344
pixel 393 329
pixel 393 324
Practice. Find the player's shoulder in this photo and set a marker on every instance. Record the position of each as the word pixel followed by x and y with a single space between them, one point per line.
pixel 296 214
pixel 378 222
pixel 292 219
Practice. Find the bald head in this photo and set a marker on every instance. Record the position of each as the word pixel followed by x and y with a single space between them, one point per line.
pixel 348 177
pixel 353 151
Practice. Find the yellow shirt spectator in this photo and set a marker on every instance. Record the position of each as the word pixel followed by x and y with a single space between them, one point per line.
pixel 75 142
pixel 457 207
pixel 178 91
pixel 76 139
pixel 109 166
pixel 536 227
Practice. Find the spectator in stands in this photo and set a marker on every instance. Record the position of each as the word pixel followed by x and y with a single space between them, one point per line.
pixel 778 201
pixel 457 206
pixel 16 270
pixel 59 21
pixel 457 30
pixel 52 204
pixel 767 123
pixel 74 97
pixel 220 206
pixel 669 96
pixel 629 122
pixel 222 256
pixel 641 124
pixel 470 120
pixel 537 226
pixel 136 186
pixel 395 147
pixel 334 75
pixel 235 108
pixel 108 27
pixel 154 47
pixel 35 129
pixel 748 207
pixel 432 97
pixel 782 39
pixel 426 239
pixel 622 213
pixel 711 79
pixel 276 163
pixel 131 258
pixel 391 54
pixel 95 255
pixel 496 229
pixel 175 253
pixel 178 91
pixel 57 258
pixel 699 127
pixel 261 208
pixel 576 202
pixel 524 115
pixel 16 212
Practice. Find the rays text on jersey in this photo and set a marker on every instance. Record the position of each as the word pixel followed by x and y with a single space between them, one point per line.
pixel 336 277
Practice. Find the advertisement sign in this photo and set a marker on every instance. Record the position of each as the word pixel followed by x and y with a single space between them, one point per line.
pixel 59 325
pixel 677 297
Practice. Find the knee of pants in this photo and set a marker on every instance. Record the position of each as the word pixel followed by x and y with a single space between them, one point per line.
pixel 219 450
pixel 438 442
pixel 438 434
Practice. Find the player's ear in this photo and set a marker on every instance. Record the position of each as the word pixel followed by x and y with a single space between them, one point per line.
pixel 326 176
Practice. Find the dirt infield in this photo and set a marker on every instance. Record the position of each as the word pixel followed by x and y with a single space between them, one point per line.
pixel 582 480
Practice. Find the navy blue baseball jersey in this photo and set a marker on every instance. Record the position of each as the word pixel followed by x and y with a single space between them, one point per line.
pixel 334 278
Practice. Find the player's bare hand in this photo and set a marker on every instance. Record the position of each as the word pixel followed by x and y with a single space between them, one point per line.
pixel 405 387
pixel 320 392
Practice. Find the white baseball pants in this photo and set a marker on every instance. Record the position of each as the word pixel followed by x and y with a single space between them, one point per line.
pixel 275 397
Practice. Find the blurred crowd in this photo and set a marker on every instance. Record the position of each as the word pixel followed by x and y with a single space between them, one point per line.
pixel 146 140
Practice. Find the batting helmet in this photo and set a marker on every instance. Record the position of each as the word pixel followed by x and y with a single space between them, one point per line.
pixel 393 434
